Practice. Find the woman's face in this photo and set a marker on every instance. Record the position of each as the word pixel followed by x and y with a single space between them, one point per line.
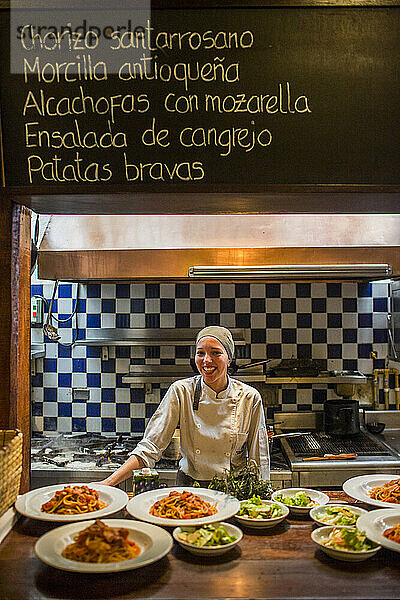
pixel 212 363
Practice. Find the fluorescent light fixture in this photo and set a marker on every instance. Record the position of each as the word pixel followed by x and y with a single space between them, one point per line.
pixel 372 271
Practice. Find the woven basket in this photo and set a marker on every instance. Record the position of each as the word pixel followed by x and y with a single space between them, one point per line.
pixel 10 467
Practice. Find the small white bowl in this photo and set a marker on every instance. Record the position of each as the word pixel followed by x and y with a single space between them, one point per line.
pixel 321 534
pixel 321 510
pixel 208 550
pixel 315 495
pixel 262 523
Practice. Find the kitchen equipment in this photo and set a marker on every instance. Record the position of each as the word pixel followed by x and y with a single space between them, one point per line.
pixel 234 367
pixel 343 456
pixel 341 417
pixel 375 427
pixel 48 327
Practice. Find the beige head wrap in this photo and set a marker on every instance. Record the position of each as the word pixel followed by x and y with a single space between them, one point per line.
pixel 221 334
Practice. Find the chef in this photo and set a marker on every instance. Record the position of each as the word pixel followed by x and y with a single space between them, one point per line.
pixel 221 420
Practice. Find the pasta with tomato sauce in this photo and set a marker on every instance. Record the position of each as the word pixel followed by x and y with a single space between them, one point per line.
pixel 100 543
pixel 74 500
pixel 388 492
pixel 182 505
pixel 393 533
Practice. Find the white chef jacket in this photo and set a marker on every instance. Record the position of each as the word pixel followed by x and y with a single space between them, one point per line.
pixel 226 431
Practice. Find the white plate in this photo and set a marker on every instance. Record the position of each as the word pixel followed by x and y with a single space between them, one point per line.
pixel 208 550
pixel 315 495
pixel 140 505
pixel 321 510
pixel 263 523
pixel 154 543
pixel 376 522
pixel 358 488
pixel 322 533
pixel 29 504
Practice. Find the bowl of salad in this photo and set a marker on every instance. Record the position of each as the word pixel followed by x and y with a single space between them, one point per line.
pixel 300 500
pixel 336 514
pixel 208 540
pixel 344 543
pixel 256 512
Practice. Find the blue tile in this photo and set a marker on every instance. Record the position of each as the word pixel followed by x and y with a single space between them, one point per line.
pixel 64 290
pixel 37 409
pixel 137 395
pixel 122 352
pixel 93 380
pixel 243 320
pixel 152 290
pixel 65 380
pixel 93 351
pixel 182 290
pixel 304 320
pixel 93 321
pixel 150 409
pixel 364 290
pixel 350 336
pixel 152 321
pixel 152 351
pixel 79 365
pixel 108 305
pixel 334 290
pixel 108 424
pixel 364 350
pixel 380 336
pixel 137 305
pixel 258 336
pixel 122 290
pixel 50 424
pixel 350 364
pixel 289 336
pixel 81 305
pixel 273 321
pixel 137 425
pixel 334 320
pixel 212 290
pixel 122 410
pixel 182 352
pixel 37 290
pixel 212 319
pixel 318 305
pixel 64 351
pixel 197 305
pixel 334 351
pixel 365 320
pixel 64 322
pixel 50 365
pixel 303 290
pixel 274 351
pixel 167 305
pixel 242 290
pixel 37 380
pixel 93 409
pixel 289 396
pixel 50 394
pixel 319 396
pixel 272 290
pixel 118 381
pixel 108 394
pixel 227 305
pixel 182 320
pixel 257 305
pixel 350 305
pixel 108 366
pixel 78 424
pixel 46 306
pixel 380 304
pixel 379 363
pixel 319 336
pixel 288 305
pixel 64 409
pixel 93 290
pixel 304 350
pixel 304 407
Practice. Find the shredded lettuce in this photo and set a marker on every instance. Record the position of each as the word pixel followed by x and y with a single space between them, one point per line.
pixel 335 515
pixel 299 499
pixel 349 539
pixel 214 534
pixel 255 508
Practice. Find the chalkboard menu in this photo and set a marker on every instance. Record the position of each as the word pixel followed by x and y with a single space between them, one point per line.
pixel 242 98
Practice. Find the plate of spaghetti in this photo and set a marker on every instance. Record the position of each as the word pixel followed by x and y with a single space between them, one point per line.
pixel 376 489
pixel 71 502
pixel 103 546
pixel 182 506
pixel 383 527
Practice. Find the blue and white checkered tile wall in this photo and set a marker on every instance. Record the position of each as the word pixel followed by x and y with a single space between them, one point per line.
pixel 338 323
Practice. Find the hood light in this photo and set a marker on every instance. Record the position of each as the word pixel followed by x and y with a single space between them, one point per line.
pixel 372 271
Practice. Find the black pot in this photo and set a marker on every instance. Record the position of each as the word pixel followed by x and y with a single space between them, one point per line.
pixel 342 417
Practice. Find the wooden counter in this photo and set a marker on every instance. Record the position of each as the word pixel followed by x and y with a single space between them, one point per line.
pixel 279 563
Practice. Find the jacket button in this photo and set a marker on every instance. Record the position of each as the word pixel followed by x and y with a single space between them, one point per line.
pixel 197 451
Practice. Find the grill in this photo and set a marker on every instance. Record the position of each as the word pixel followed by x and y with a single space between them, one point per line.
pixel 317 444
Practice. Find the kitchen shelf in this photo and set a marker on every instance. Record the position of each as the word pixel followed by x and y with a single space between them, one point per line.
pixel 37 351
pixel 149 374
pixel 110 336
pixel 319 379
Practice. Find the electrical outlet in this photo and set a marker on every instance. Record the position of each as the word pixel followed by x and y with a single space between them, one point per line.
pixel 36 311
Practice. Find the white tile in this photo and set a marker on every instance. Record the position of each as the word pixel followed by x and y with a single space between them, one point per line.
pixel 122 395
pixel 108 320
pixel 182 305
pixel 364 305
pixel 334 305
pixel 167 352
pixel 334 336
pixel 382 351
pixel 64 306
pixel 319 351
pixel 257 290
pixel 288 290
pixel 197 290
pixel 48 289
pixel 108 290
pixel 64 365
pixel 335 364
pixel 212 305
pixel 93 424
pixel 349 289
pixel 365 365
pixel 289 350
pixel 289 320
pixel 242 305
pixel 304 336
pixel 111 351
pixel 93 305
pixel 349 351
pixel 319 320
pixel 79 380
pixel 304 396
pixel 123 425
pixel 108 380
pixel 350 320
pixel 258 351
pixel 228 320
pixel 108 409
pixel 380 290
pixel 82 320
pixel 64 395
pixel 64 424
pixel 94 395
pixel 79 352
pixel 50 380
pixel 137 321
pixel 227 290
pixel 137 352
pixel 37 336
pixel 51 350
pixel 37 394
pixel 167 290
pixel 152 305
pixel 274 336
pixel 122 365
pixel 197 320
pixel 364 335
pixel 258 320
pixel 79 409
pixel 82 291
pixel 93 365
pixel 167 320
pixel 122 305
pixel 318 290
pixel 273 305
pixel 379 320
pixel 138 290
pixel 37 424
pixel 303 305
pixel 50 409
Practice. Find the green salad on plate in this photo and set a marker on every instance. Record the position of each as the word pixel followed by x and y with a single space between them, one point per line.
pixel 213 534
pixel 298 499
pixel 255 508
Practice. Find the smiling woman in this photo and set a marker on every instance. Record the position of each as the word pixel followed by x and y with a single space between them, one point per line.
pixel 221 420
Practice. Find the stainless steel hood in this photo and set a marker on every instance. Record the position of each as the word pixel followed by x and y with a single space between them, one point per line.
pixel 148 247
